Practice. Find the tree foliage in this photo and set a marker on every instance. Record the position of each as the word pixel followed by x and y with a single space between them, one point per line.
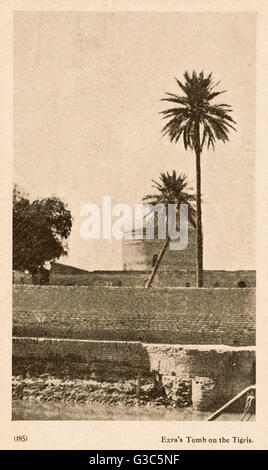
pixel 173 189
pixel 195 118
pixel 40 231
pixel 199 123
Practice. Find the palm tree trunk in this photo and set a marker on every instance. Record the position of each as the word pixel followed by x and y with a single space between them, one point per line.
pixel 199 237
pixel 158 262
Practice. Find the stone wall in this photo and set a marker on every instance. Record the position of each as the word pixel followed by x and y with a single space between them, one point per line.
pixel 212 278
pixel 100 278
pixel 93 353
pixel 217 373
pixel 163 315
pixel 172 278
pixel 222 371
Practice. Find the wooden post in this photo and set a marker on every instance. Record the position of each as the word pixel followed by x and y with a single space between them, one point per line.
pixel 157 264
pixel 138 387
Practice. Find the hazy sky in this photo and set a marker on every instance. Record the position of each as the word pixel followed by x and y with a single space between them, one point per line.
pixel 87 89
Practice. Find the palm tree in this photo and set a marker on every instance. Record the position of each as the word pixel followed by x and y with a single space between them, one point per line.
pixel 200 124
pixel 172 189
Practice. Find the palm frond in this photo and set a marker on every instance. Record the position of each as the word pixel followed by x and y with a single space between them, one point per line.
pixel 173 189
pixel 195 112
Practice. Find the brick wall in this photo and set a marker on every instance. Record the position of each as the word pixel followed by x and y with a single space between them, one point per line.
pixel 131 354
pixel 104 278
pixel 173 278
pixel 164 315
pixel 217 278
pixel 138 254
pixel 177 360
pixel 226 370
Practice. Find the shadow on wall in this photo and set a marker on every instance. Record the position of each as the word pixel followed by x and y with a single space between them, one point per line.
pixel 79 358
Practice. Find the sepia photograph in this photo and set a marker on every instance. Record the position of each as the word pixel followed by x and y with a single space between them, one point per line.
pixel 134 213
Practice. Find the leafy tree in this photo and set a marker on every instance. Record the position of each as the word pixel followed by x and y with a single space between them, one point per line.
pixel 200 124
pixel 172 189
pixel 40 231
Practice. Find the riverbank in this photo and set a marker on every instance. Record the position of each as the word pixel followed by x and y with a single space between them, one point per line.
pixel 51 398
pixel 48 388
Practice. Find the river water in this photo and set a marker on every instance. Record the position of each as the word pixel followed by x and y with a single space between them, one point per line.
pixel 37 410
